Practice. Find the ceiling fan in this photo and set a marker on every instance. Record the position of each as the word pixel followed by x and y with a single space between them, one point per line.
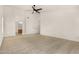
pixel 35 9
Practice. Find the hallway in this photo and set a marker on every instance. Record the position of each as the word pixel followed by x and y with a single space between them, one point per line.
pixel 38 44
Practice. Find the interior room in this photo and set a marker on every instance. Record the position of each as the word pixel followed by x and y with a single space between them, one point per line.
pixel 39 29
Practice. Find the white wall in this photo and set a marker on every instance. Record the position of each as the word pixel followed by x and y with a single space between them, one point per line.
pixel 1 33
pixel 9 19
pixel 60 21
pixel 33 24
pixel 1 25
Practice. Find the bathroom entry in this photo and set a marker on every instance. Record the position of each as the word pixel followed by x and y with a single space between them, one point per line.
pixel 19 27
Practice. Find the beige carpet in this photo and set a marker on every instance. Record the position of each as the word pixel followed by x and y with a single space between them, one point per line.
pixel 38 44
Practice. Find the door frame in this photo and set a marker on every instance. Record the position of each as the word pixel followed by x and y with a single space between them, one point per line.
pixel 16 26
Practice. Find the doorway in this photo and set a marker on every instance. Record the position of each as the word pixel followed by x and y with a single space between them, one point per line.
pixel 19 27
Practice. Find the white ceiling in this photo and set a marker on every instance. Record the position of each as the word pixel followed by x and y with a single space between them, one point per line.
pixel 21 7
pixel 28 7
pixel 44 7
